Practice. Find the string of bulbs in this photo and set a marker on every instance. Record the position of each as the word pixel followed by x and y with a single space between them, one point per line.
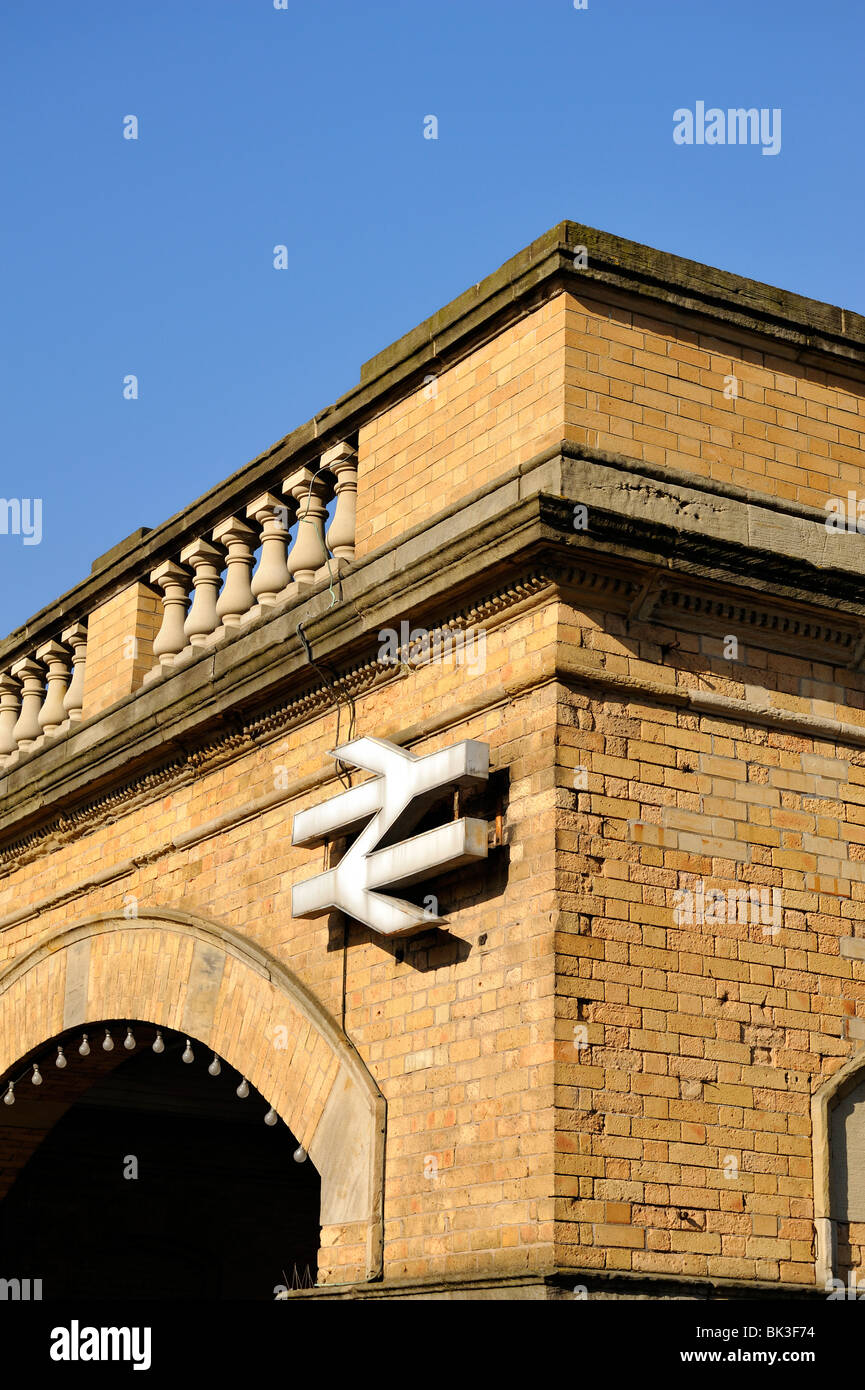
pixel 187 1056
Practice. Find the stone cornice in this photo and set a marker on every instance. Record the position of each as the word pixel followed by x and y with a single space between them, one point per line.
pixel 136 791
pixel 581 671
pixel 246 732
pixel 723 534
pixel 685 553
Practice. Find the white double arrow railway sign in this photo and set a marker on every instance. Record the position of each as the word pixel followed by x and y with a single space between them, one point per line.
pixel 392 803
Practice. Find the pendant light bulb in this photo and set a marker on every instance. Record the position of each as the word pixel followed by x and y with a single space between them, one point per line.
pixel 299 1154
pixel 60 1060
pixel 243 1089
pixel 188 1054
pixel 158 1044
pixel 271 1117
pixel 108 1042
pixel 36 1078
pixel 9 1098
pixel 214 1067
pixel 129 1040
pixel 84 1049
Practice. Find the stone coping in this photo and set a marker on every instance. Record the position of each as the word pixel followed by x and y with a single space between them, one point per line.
pixel 811 330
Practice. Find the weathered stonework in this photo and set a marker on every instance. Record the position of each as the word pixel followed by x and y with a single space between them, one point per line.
pixel 569 1084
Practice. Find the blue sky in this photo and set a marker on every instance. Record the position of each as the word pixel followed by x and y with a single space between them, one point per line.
pixel 304 127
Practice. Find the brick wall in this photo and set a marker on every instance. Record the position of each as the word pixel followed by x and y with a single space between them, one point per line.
pixel 689 1050
pixel 620 378
pixel 456 1029
pixel 572 1073
pixel 498 406
pixel 653 386
pixel 120 635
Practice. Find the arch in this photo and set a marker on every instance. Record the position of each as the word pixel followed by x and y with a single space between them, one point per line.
pixel 184 972
pixel 825 1098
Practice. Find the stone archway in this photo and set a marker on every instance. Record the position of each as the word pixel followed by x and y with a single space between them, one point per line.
pixel 186 973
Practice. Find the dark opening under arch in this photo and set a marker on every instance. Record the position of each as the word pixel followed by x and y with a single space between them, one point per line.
pixel 131 1174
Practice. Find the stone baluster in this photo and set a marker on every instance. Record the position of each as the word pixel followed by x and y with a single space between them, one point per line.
pixel 58 660
pixel 207 562
pixel 309 553
pixel 272 574
pixel 175 584
pixel 236 598
pixel 32 677
pixel 10 705
pixel 75 637
pixel 341 460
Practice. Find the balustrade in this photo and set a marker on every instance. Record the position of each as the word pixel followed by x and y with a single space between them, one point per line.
pixel 75 637
pixel 309 553
pixel 58 661
pixel 342 462
pixel 32 678
pixel 272 574
pixel 175 582
pixel 42 694
pixel 10 708
pixel 207 563
pixel 237 597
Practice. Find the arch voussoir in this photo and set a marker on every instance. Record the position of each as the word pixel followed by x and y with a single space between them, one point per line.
pixel 196 976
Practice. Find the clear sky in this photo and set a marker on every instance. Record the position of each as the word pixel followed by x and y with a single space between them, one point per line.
pixel 304 126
